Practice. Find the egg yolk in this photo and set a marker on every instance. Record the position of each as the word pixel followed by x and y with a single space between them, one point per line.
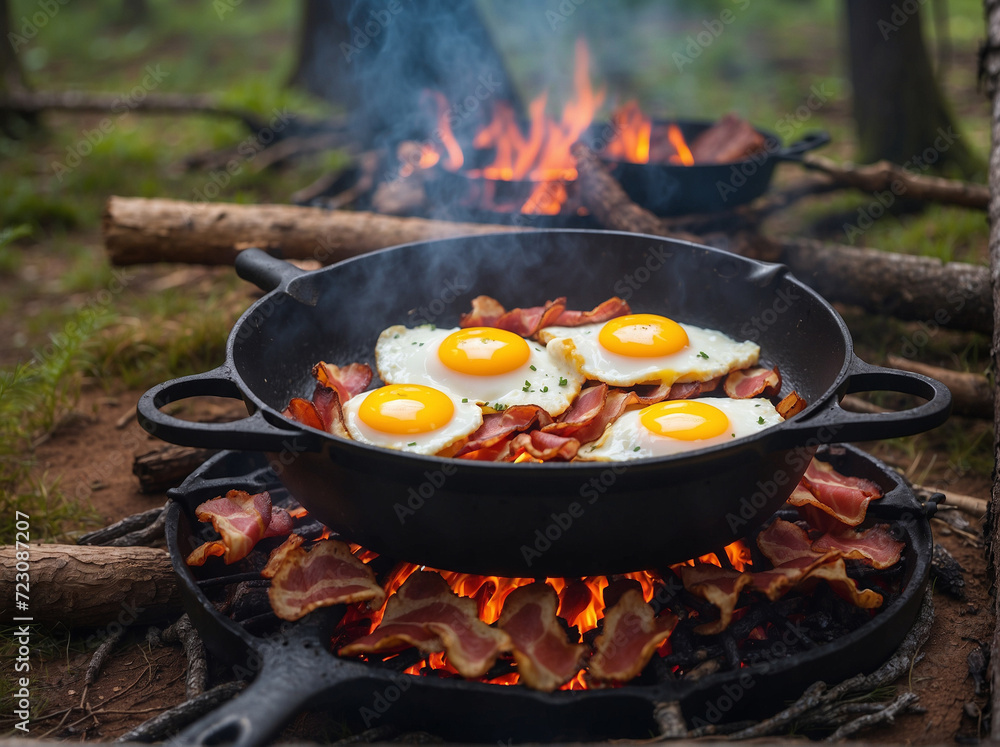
pixel 643 336
pixel 406 409
pixel 686 421
pixel 483 351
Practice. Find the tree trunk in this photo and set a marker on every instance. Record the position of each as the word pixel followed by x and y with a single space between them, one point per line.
pixel 12 123
pixel 899 110
pixel 380 59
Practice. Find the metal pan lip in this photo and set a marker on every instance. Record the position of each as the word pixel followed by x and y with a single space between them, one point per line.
pixel 757 443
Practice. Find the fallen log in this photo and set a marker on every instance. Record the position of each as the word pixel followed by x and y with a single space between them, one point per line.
pixel 138 231
pixel 166 466
pixel 887 176
pixel 953 294
pixel 971 394
pixel 82 586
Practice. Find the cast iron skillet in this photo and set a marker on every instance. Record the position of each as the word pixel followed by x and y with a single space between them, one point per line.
pixel 663 188
pixel 297 669
pixel 535 519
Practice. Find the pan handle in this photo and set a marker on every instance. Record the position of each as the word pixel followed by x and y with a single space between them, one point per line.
pixel 795 151
pixel 264 271
pixel 833 424
pixel 252 433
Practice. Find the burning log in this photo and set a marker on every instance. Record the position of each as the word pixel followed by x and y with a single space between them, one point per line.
pixel 138 231
pixel 96 586
pixel 950 294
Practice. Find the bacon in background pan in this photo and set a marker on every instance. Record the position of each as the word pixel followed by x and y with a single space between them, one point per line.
pixel 545 657
pixel 327 574
pixel 425 612
pixel 752 382
pixel 632 632
pixel 242 520
pixel 875 546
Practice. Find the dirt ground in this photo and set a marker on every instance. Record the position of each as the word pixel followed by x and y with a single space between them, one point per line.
pixel 95 451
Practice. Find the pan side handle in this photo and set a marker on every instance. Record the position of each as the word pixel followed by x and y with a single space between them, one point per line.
pixel 808 142
pixel 252 433
pixel 833 424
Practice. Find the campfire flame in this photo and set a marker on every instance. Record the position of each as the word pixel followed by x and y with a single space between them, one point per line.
pixel 542 153
pixel 581 601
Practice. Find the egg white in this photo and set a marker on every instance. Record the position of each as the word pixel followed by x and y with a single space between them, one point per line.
pixel 467 419
pixel 709 354
pixel 410 356
pixel 627 438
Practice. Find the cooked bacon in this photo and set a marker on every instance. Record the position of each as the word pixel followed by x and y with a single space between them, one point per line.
pixel 630 637
pixel 424 612
pixel 753 382
pixel 281 523
pixel 278 555
pixel 585 408
pixel 303 411
pixel 586 430
pixel 241 520
pixel 498 426
pixel 328 406
pixel 545 657
pixel 782 541
pixel 845 498
pixel 604 311
pixel 546 447
pixel 720 586
pixel 485 312
pixel 834 572
pixel 791 405
pixel 778 581
pixel 500 452
pixel 347 381
pixel 874 545
pixel 326 575
pixel 488 312
pixel 818 521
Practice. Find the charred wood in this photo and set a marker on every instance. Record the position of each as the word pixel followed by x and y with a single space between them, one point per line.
pixel 101 654
pixel 165 467
pixel 172 721
pixel 118 529
pixel 94 586
pixel 947 573
pixel 194 650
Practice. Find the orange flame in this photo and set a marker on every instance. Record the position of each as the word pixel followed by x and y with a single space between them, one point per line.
pixel 634 130
pixel 676 139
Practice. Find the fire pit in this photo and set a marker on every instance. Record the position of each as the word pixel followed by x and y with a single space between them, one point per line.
pixel 710 678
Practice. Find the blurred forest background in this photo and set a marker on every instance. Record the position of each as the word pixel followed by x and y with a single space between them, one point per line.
pixel 77 335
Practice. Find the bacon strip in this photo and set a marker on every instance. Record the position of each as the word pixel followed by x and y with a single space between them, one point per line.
pixel 791 405
pixel 328 574
pixel 753 382
pixel 347 380
pixel 241 520
pixel 545 657
pixel 845 498
pixel 720 586
pixel 782 541
pixel 323 413
pixel 499 426
pixel 630 637
pixel 488 312
pixel 873 545
pixel 424 612
pixel 835 574
pixel 585 421
pixel 544 446
pixel 303 411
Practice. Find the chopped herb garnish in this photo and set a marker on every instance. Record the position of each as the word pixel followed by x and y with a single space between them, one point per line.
pixel 527 386
pixel 532 368
pixel 412 443
pixel 395 336
pixel 563 381
pixel 703 354
pixel 499 407
pixel 545 389
pixel 760 420
pixel 733 435
pixel 421 344
pixel 636 448
pixel 465 399
pixel 757 405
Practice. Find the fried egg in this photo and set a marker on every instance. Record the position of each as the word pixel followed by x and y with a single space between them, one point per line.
pixel 680 425
pixel 484 365
pixel 410 417
pixel 647 348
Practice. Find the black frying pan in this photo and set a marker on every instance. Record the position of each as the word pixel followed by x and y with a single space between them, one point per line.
pixel 566 519
pixel 663 188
